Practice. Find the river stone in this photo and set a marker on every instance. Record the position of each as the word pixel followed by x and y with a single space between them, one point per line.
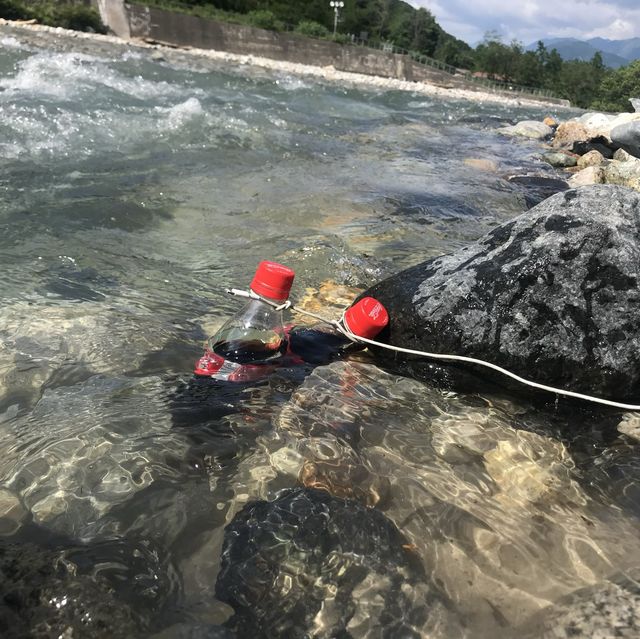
pixel 551 295
pixel 346 480
pixel 308 564
pixel 528 467
pixel 591 158
pixel 528 129
pixel 623 173
pixel 595 120
pixel 599 144
pixel 627 136
pixel 568 133
pixel 559 159
pixel 622 156
pixel 588 175
pixel 630 425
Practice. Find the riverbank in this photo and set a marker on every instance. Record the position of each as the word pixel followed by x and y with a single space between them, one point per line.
pixel 327 73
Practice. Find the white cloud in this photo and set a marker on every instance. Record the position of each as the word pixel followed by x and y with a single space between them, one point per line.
pixel 617 30
pixel 531 20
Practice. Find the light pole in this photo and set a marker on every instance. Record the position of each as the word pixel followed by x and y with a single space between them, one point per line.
pixel 336 5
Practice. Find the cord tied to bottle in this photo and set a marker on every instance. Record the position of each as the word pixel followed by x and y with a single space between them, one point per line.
pixel 288 304
pixel 254 296
pixel 342 326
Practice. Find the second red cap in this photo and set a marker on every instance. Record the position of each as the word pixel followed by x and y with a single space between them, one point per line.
pixel 366 318
pixel 272 280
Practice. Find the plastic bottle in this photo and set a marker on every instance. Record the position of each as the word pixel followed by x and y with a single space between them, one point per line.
pixel 323 343
pixel 229 365
pixel 249 344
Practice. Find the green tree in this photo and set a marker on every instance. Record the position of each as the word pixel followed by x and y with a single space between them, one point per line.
pixel 579 83
pixel 496 59
pixel 454 52
pixel 542 54
pixel 617 87
pixel 552 70
pixel 529 71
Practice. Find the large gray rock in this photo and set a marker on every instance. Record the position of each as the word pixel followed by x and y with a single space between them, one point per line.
pixel 627 136
pixel 551 295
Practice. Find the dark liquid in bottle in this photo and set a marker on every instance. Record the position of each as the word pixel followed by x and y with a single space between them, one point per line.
pixel 249 351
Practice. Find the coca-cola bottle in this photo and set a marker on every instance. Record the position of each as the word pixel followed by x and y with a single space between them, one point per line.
pixel 252 342
pixel 323 343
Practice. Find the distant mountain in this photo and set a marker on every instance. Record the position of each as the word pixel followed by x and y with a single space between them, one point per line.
pixel 629 49
pixel 610 50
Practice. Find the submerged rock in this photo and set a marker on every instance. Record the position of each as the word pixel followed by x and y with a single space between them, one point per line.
pixel 551 295
pixel 536 188
pixel 12 512
pixel 528 467
pixel 309 564
pixel 610 609
pixel 46 594
pixel 350 481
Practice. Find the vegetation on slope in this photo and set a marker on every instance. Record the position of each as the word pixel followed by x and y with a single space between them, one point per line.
pixel 56 14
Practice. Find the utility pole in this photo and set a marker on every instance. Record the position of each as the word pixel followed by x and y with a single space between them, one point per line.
pixel 336 5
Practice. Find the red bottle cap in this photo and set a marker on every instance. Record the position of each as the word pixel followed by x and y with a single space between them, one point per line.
pixel 272 280
pixel 366 318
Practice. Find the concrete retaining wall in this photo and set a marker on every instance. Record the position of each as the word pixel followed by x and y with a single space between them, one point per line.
pixel 140 21
pixel 186 30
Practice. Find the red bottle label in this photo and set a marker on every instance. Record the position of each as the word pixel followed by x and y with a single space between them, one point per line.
pixel 212 365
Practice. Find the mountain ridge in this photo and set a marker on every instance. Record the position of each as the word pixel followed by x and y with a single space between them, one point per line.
pixel 615 53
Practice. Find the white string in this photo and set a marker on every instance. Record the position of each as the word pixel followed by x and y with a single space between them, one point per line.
pixel 341 326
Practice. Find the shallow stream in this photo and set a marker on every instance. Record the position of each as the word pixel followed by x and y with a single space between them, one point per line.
pixel 134 188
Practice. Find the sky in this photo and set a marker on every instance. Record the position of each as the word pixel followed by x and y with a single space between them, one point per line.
pixel 531 20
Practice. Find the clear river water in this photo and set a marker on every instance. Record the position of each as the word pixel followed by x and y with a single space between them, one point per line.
pixel 136 187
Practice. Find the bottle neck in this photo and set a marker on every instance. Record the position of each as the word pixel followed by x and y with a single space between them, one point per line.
pixel 267 300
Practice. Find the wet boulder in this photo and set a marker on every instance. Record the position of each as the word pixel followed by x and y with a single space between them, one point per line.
pixel 310 564
pixel 551 295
